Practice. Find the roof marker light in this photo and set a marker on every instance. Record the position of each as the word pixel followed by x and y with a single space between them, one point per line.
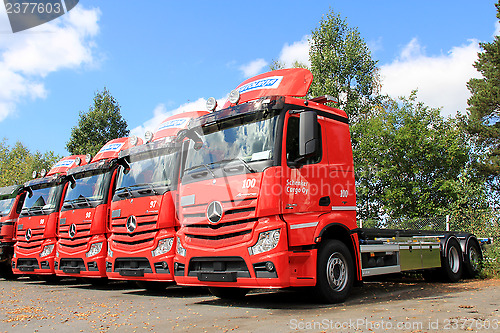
pixel 234 96
pixel 148 136
pixel 78 160
pixel 133 140
pixel 211 104
pixel 34 174
pixel 43 173
pixel 88 158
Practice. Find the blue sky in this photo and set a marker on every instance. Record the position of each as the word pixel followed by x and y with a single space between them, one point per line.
pixel 163 57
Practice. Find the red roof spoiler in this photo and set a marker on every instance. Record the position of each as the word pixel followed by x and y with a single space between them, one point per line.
pixel 284 82
pixel 172 125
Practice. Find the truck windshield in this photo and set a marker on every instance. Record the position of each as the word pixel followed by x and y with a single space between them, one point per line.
pixel 242 140
pixel 44 199
pixel 150 173
pixel 88 190
pixel 6 205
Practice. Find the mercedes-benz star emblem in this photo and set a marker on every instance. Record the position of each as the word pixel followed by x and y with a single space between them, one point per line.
pixel 131 223
pixel 214 212
pixel 72 230
pixel 28 234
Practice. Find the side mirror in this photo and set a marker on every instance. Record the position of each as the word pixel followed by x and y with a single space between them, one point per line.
pixel 72 181
pixel 194 136
pixel 308 134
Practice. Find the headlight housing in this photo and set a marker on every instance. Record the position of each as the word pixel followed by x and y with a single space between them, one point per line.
pixel 47 250
pixel 180 250
pixel 94 249
pixel 267 241
pixel 110 253
pixel 164 245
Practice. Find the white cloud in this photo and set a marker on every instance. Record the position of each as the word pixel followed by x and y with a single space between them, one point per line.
pixel 440 80
pixel 297 51
pixel 29 56
pixel 160 113
pixel 253 68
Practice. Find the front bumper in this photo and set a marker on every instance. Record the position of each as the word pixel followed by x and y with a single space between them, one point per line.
pixel 77 264
pixel 140 265
pixel 30 262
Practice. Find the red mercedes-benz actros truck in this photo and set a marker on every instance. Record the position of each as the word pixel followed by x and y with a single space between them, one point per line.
pixel 37 223
pixel 11 201
pixel 84 218
pixel 267 200
pixel 143 219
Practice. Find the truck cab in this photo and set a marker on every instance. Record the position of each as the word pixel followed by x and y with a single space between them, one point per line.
pixel 84 218
pixel 36 229
pixel 11 201
pixel 270 175
pixel 143 217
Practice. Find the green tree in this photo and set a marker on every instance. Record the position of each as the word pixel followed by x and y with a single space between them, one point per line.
pixel 484 109
pixel 103 122
pixel 17 163
pixel 408 159
pixel 342 65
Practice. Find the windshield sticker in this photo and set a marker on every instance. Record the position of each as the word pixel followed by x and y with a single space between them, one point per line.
pixel 272 82
pixel 65 163
pixel 174 123
pixel 111 147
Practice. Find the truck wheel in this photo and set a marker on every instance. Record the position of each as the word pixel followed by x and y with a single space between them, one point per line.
pixel 472 259
pixel 154 286
pixel 229 292
pixel 451 261
pixel 335 274
pixel 96 282
pixel 6 272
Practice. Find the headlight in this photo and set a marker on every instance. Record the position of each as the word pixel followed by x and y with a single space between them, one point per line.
pixel 267 241
pixel 47 250
pixel 110 253
pixel 94 249
pixel 164 245
pixel 180 250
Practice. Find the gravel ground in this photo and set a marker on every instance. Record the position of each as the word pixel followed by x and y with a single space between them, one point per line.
pixel 403 305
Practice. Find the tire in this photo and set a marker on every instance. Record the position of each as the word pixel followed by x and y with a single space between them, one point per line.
pixel 6 272
pixel 451 261
pixel 51 279
pixel 472 259
pixel 154 286
pixel 96 282
pixel 335 272
pixel 229 292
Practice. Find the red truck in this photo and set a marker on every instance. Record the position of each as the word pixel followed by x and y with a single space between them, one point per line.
pixel 84 218
pixel 267 200
pixel 36 229
pixel 11 201
pixel 143 221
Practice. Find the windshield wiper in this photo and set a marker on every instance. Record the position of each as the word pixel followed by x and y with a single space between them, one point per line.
pixel 87 201
pixel 126 190
pixel 151 187
pixel 205 166
pixel 245 164
pixel 68 203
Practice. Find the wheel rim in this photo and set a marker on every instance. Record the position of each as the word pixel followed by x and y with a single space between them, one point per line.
pixel 474 258
pixel 336 271
pixel 454 259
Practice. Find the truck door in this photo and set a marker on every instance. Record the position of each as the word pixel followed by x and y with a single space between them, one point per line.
pixel 306 188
